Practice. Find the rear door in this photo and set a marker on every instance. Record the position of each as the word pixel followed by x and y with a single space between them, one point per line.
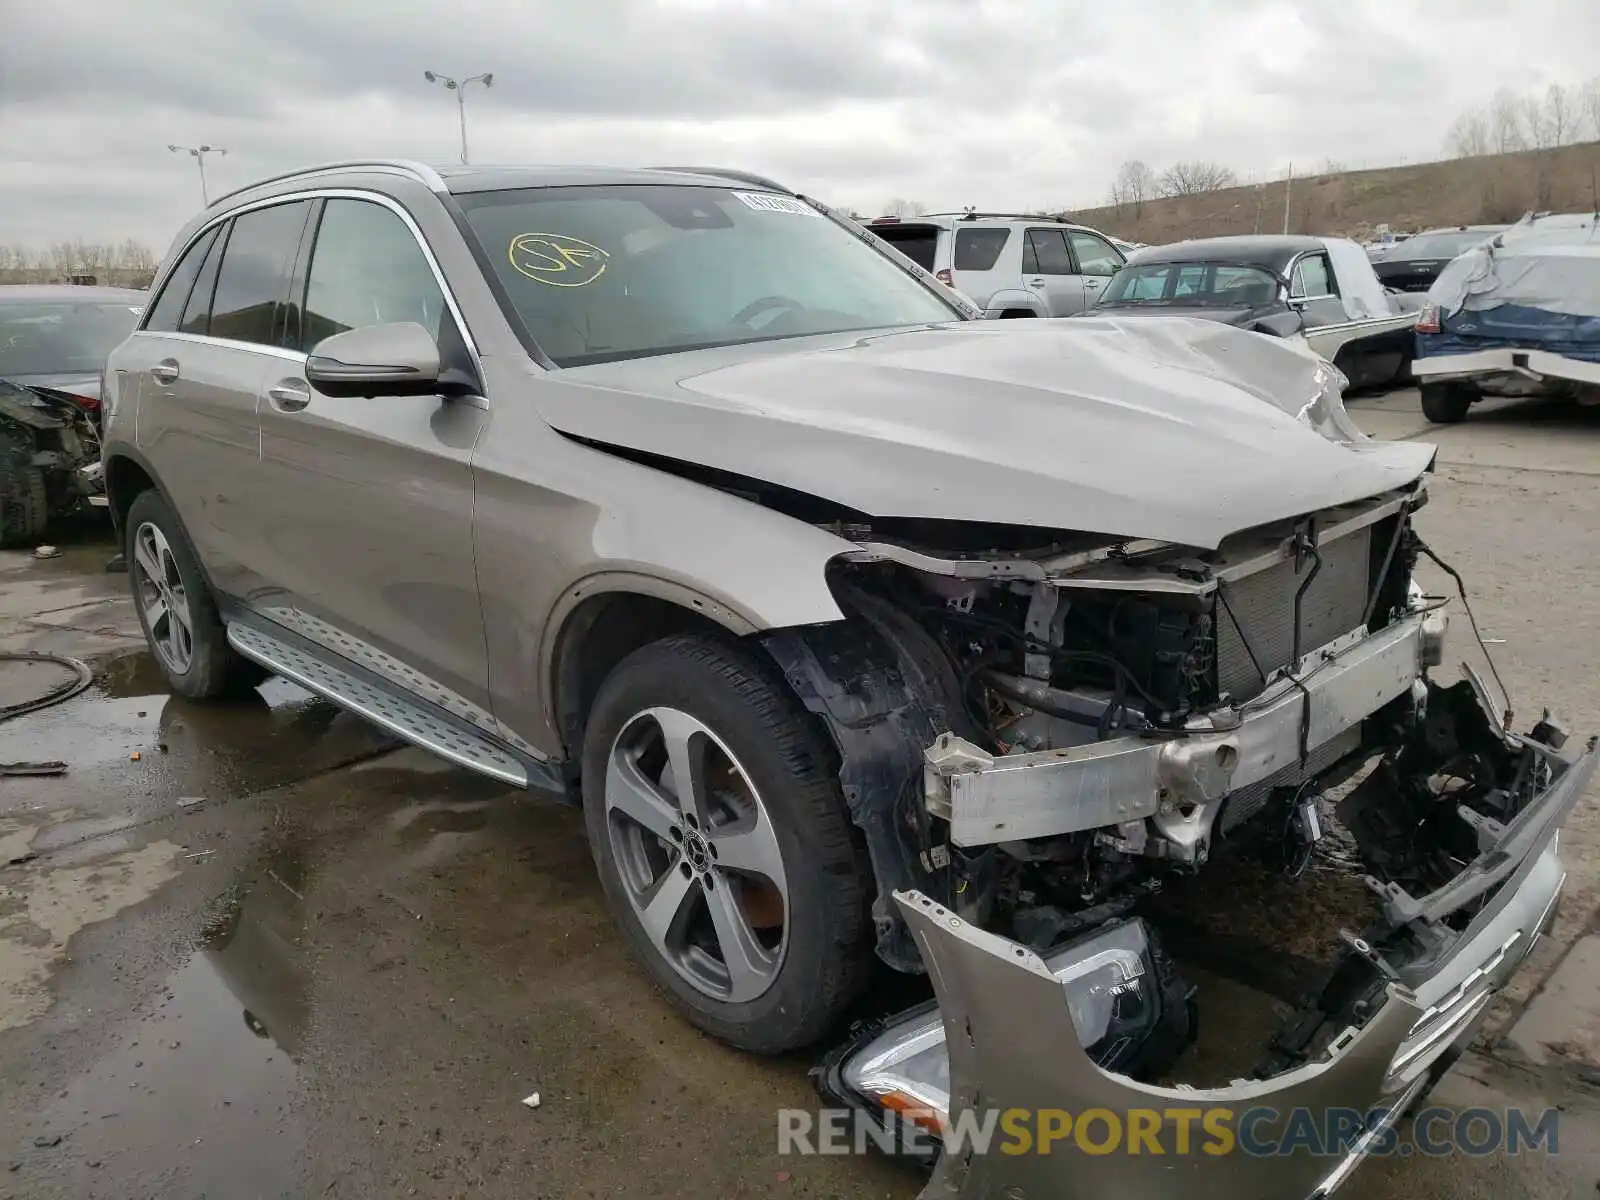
pixel 202 362
pixel 370 498
pixel 1047 271
pixel 1096 261
pixel 976 258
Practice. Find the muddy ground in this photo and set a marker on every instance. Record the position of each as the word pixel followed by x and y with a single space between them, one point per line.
pixel 257 951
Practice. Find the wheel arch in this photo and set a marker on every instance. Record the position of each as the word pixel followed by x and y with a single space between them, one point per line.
pixel 600 621
pixel 127 474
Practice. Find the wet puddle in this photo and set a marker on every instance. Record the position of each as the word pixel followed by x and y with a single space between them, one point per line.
pixel 126 728
pixel 197 1098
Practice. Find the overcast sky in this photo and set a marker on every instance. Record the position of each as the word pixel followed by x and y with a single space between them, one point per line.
pixel 997 103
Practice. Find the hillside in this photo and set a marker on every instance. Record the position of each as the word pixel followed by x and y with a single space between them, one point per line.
pixel 1463 191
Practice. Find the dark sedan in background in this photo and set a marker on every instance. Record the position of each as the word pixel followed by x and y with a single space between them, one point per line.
pixel 1318 289
pixel 57 336
pixel 1413 265
pixel 54 341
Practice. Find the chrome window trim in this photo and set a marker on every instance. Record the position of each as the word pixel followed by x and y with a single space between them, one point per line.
pixel 205 339
pixel 327 193
pixel 1333 279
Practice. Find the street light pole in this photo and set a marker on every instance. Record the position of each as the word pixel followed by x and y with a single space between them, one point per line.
pixel 199 153
pixel 459 87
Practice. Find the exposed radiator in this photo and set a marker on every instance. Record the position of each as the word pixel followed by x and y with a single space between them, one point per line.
pixel 1263 604
pixel 1246 802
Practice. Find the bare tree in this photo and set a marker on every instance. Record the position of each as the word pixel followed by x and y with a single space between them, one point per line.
pixel 1193 176
pixel 1536 123
pixel 1591 105
pixel 64 259
pixel 1505 122
pixel 135 257
pixel 1470 136
pixel 1561 107
pixel 1135 183
pixel 898 207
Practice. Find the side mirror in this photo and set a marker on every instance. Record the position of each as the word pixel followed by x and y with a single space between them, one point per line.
pixel 399 359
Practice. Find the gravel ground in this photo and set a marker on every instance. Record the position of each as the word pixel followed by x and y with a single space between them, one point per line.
pixel 254 951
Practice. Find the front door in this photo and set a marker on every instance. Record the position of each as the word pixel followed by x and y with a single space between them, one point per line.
pixel 370 498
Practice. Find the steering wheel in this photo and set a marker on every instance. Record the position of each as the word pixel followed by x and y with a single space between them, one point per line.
pixel 756 307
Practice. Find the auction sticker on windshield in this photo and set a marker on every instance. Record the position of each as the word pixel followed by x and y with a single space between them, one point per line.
pixel 557 259
pixel 767 202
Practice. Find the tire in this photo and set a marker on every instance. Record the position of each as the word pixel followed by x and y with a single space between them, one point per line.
pixel 211 668
pixel 1445 403
pixel 24 506
pixel 750 720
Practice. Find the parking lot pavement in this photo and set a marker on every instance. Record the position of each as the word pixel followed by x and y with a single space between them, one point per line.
pixel 252 950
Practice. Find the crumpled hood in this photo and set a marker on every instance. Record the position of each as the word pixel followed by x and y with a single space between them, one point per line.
pixel 1175 429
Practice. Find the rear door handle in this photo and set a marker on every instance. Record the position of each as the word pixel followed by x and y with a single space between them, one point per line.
pixel 289 395
pixel 1035 283
pixel 165 371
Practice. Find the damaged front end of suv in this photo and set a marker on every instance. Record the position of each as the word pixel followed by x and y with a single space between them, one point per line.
pixel 1133 646
pixel 1116 718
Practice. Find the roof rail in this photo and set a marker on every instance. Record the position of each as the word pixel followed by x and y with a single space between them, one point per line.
pixel 974 215
pixel 421 172
pixel 724 173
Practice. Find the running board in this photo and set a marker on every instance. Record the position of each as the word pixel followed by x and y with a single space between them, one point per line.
pixel 382 707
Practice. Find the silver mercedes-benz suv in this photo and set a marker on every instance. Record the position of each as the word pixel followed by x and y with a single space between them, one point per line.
pixel 859 627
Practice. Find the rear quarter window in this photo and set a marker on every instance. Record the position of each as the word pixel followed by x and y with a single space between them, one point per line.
pixel 979 249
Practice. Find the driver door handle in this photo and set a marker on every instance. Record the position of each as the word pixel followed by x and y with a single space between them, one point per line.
pixel 165 371
pixel 289 395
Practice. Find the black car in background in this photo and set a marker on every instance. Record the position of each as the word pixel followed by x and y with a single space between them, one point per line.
pixel 1318 289
pixel 1413 265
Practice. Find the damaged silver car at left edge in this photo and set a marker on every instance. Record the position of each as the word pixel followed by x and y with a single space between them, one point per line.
pixel 1039 730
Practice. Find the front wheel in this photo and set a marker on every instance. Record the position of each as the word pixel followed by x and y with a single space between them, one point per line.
pixel 723 844
pixel 1445 403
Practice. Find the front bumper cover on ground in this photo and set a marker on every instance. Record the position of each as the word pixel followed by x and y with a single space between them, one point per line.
pixel 1013 1044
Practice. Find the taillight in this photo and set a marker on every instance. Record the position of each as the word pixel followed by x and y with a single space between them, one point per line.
pixel 943 276
pixel 1428 319
pixel 87 403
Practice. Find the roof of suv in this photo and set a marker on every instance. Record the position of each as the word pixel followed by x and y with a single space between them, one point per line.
pixel 461 180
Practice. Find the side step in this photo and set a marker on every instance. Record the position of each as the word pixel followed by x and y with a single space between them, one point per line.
pixel 382 707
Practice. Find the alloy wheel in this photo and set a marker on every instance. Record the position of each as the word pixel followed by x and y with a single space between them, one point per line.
pixel 697 854
pixel 163 599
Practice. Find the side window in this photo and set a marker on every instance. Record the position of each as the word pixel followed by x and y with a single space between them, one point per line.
pixel 197 313
pixel 979 249
pixel 367 269
pixel 167 311
pixel 1095 255
pixel 1046 253
pixel 253 282
pixel 1312 278
pixel 1150 283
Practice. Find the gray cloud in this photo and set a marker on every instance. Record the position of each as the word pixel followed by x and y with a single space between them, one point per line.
pixel 1001 103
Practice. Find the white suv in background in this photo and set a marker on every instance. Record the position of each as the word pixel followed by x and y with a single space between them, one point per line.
pixel 1009 266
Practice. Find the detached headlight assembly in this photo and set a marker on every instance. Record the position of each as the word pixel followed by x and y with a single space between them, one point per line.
pixel 1128 1005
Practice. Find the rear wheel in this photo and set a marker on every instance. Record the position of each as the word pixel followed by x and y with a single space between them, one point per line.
pixel 723 844
pixel 176 608
pixel 24 506
pixel 1446 403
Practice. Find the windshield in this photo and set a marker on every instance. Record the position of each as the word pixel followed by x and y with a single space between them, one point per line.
pixel 61 337
pixel 603 273
pixel 1198 284
pixel 1442 245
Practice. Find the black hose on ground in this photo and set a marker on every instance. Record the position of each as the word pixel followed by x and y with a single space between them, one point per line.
pixel 82 678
